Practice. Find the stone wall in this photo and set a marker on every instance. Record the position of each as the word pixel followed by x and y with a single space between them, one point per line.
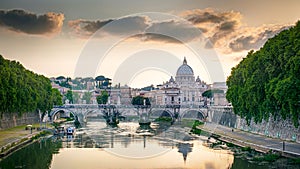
pixel 283 129
pixel 8 120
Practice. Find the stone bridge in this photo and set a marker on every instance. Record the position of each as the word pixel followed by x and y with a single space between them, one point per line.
pixel 82 111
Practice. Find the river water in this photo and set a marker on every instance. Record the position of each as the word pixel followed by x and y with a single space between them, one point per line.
pixel 126 146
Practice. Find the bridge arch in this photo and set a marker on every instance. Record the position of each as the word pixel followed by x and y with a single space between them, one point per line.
pixel 193 114
pixel 162 113
pixel 54 112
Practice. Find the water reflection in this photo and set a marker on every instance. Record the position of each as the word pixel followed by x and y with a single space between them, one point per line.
pixel 132 146
pixel 36 156
pixel 126 146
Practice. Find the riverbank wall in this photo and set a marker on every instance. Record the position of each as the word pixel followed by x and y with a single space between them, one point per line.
pixel 279 128
pixel 9 120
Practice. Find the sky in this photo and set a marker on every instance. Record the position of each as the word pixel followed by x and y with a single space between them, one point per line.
pixel 138 42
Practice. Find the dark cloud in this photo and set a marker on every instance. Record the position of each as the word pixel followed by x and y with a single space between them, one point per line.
pixel 131 24
pixel 228 26
pixel 18 20
pixel 208 15
pixel 205 16
pixel 140 27
pixel 173 31
pixel 222 31
pixel 255 40
pixel 86 27
pixel 219 25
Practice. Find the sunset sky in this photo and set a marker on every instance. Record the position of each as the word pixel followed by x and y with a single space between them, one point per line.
pixel 138 42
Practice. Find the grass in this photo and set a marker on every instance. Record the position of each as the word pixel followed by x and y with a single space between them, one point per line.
pixel 19 142
pixel 196 130
pixel 267 157
pixel 164 119
pixel 230 144
pixel 187 123
pixel 246 149
pixel 296 161
pixel 190 123
pixel 11 134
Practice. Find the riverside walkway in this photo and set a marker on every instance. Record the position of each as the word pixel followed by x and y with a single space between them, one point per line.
pixel 256 141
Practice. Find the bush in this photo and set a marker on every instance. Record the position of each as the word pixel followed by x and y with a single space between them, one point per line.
pixel 230 144
pixel 267 157
pixel 296 161
pixel 247 149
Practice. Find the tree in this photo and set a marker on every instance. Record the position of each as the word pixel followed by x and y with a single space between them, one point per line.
pixel 140 100
pixel 69 96
pixel 23 91
pixel 267 81
pixel 103 98
pixel 100 79
pixel 56 97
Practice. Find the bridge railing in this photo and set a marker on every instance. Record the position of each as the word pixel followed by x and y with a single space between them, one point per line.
pixel 140 106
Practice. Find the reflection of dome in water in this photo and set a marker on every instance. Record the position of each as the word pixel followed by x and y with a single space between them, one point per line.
pixel 185 69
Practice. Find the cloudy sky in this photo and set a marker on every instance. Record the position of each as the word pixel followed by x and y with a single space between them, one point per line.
pixel 138 42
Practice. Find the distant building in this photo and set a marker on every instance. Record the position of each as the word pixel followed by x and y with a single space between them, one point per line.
pixel 90 85
pixel 61 89
pixel 184 90
pixel 125 95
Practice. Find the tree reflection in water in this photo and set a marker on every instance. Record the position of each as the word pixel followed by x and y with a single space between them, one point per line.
pixel 36 156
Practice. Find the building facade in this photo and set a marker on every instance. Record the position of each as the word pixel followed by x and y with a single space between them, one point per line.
pixel 183 90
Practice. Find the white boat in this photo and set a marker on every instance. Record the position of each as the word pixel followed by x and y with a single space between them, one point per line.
pixel 71 130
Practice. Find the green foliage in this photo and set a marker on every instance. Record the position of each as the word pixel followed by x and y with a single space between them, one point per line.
pixel 56 97
pixel 164 119
pixel 103 82
pixel 246 149
pixel 103 98
pixel 230 144
pixel 22 90
pixel 296 161
pixel 37 155
pixel 267 81
pixel 210 93
pixel 267 157
pixel 197 123
pixel 187 123
pixel 139 100
pixel 69 96
pixel 196 130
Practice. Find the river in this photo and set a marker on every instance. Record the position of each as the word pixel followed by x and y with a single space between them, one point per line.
pixel 126 146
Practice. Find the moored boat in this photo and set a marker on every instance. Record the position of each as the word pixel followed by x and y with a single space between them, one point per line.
pixel 71 131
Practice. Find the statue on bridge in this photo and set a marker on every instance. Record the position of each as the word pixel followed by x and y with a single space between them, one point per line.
pixel 111 115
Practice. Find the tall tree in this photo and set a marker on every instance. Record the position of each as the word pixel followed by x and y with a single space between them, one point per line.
pixel 267 81
pixel 69 96
pixel 140 100
pixel 22 90
pixel 103 98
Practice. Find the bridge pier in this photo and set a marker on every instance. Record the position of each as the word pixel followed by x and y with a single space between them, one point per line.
pixel 144 114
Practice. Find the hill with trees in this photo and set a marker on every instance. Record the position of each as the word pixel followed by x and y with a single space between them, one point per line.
pixel 267 82
pixel 24 91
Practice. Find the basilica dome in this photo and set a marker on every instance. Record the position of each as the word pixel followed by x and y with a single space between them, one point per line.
pixel 185 69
